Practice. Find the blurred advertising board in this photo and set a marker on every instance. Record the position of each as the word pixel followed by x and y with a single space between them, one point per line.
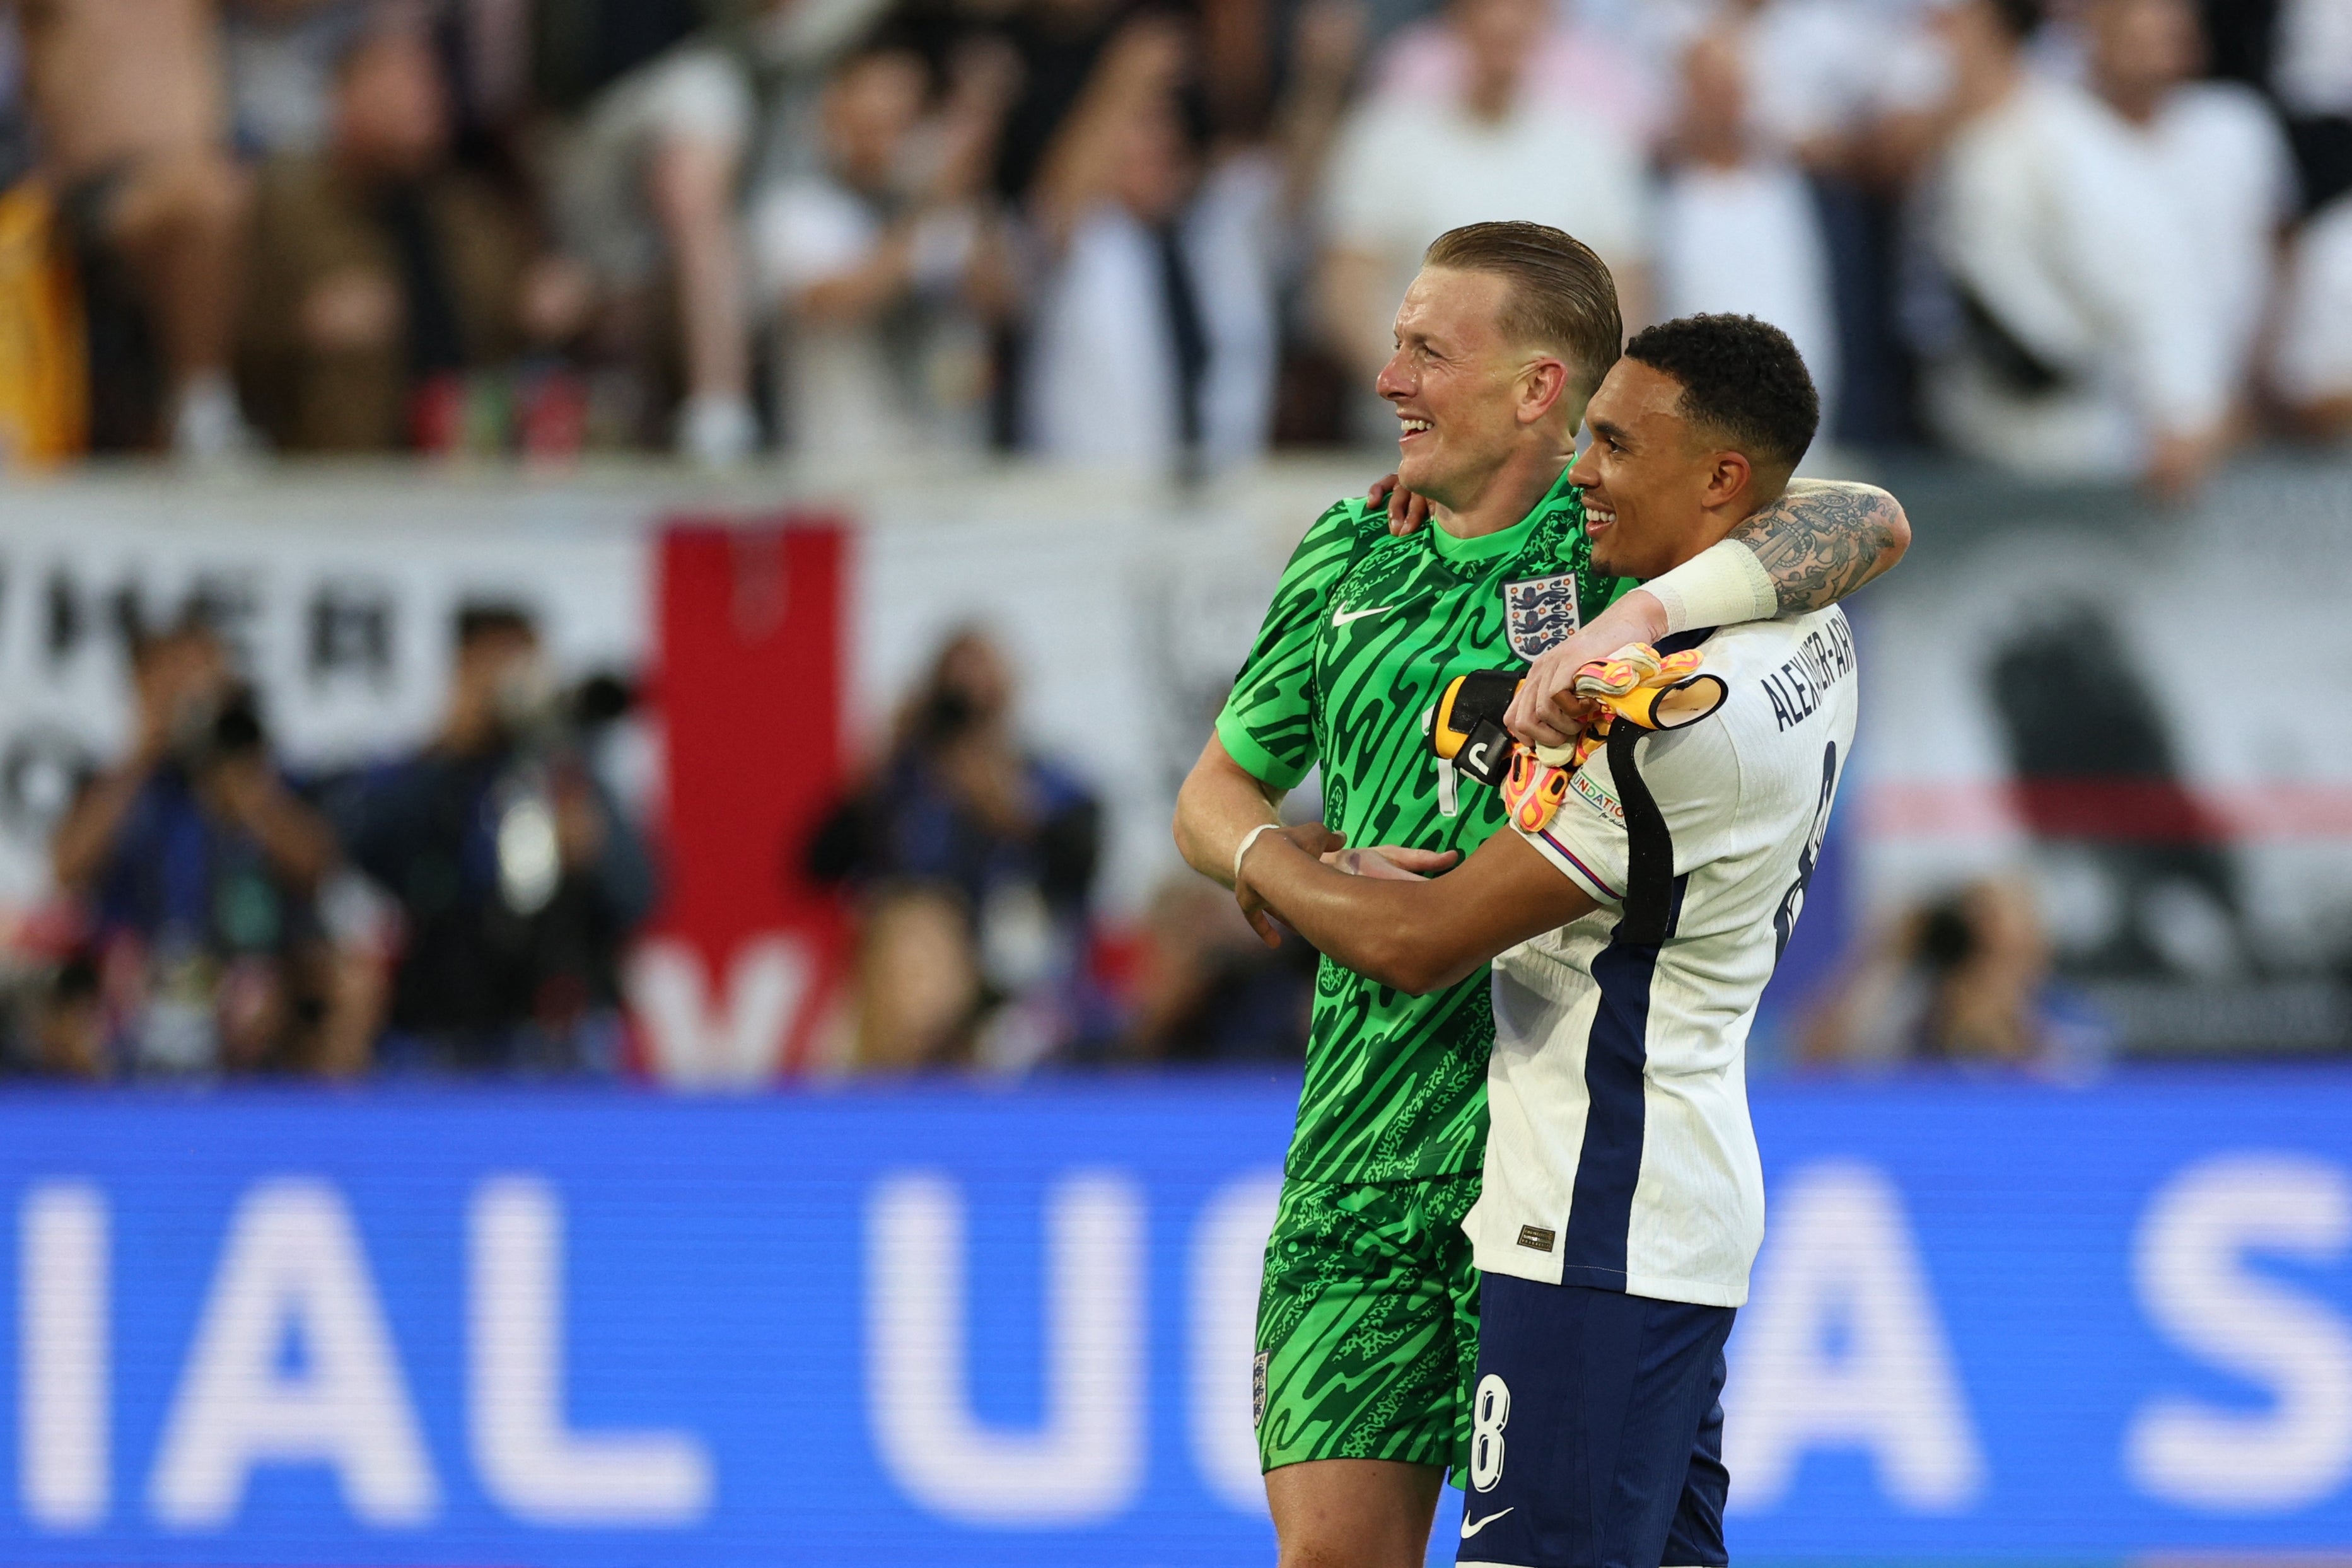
pixel 2138 714
pixel 921 1326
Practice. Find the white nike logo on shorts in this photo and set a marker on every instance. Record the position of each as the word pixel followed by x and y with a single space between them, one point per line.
pixel 1469 1529
pixel 1341 617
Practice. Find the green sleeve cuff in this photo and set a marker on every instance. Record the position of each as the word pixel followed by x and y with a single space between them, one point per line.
pixel 1255 759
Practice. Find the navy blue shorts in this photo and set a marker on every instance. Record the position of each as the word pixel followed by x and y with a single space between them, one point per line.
pixel 1596 1437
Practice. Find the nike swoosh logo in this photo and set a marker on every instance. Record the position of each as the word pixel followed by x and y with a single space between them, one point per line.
pixel 1341 617
pixel 1469 1529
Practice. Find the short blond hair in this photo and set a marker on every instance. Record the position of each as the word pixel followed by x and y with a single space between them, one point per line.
pixel 1561 296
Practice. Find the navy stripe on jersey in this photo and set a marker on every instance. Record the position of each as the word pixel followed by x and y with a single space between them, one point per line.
pixel 1616 1052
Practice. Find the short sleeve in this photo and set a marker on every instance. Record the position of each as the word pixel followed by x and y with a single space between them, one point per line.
pixel 1693 776
pixel 1267 725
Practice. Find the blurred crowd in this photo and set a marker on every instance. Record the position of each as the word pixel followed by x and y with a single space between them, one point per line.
pixel 463 908
pixel 468 908
pixel 2089 239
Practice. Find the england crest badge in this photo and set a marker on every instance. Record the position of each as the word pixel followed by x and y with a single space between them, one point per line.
pixel 1540 614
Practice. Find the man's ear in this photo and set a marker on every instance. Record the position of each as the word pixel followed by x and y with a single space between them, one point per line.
pixel 1542 385
pixel 1729 477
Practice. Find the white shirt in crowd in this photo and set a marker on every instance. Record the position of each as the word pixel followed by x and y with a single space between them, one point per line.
pixel 1621 1155
pixel 1407 169
pixel 2224 164
pixel 1102 382
pixel 1748 242
pixel 914 378
pixel 2053 216
pixel 2311 50
pixel 2313 361
pixel 1816 67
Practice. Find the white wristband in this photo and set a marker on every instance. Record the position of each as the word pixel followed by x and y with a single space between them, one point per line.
pixel 1247 840
pixel 1723 585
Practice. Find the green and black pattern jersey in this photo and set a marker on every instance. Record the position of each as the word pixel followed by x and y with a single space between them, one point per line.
pixel 1364 633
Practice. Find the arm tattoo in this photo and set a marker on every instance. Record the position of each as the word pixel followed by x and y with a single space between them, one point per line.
pixel 1821 540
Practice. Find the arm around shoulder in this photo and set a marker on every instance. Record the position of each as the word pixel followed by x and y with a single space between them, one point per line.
pixel 1823 538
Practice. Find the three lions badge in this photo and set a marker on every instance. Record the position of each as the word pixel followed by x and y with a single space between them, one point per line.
pixel 1540 614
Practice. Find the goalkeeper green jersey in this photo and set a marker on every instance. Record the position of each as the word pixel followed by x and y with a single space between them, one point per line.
pixel 1362 636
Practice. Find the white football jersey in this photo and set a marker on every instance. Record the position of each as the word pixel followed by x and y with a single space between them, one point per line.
pixel 1620 1152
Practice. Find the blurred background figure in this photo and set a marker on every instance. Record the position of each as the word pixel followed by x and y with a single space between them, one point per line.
pixel 1152 341
pixel 388 281
pixel 1962 981
pixel 2222 160
pixel 887 263
pixel 2068 337
pixel 972 861
pixel 198 871
pixel 1738 227
pixel 1207 992
pixel 1412 165
pixel 129 113
pixel 643 114
pixel 2311 369
pixel 518 881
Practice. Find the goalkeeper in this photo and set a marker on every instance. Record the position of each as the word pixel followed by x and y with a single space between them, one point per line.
pixel 1367 1322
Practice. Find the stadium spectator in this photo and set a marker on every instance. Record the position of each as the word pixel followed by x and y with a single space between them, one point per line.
pixel 2311 367
pixel 1738 230
pixel 517 879
pixel 198 868
pixel 888 263
pixel 2069 341
pixel 650 112
pixel 2220 155
pixel 1576 69
pixel 55 1023
pixel 281 57
pixel 2305 53
pixel 1208 990
pixel 1154 338
pixel 383 276
pixel 1408 169
pixel 131 113
pixel 1961 980
pixel 973 861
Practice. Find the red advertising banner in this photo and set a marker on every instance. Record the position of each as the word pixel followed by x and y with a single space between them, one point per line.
pixel 733 981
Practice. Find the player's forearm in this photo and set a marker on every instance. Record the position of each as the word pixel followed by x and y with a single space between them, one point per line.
pixel 1824 538
pixel 1391 933
pixel 1216 808
pixel 1637 617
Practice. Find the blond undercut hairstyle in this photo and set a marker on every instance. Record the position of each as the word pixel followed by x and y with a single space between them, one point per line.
pixel 1561 295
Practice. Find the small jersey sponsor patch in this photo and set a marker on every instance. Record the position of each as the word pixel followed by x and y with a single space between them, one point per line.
pixel 1536 1237
pixel 1257 1388
pixel 1540 614
pixel 1600 799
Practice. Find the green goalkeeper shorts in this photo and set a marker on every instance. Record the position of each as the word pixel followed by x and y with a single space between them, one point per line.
pixel 1368 1323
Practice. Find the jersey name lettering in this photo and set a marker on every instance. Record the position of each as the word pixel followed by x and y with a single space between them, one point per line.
pixel 1824 659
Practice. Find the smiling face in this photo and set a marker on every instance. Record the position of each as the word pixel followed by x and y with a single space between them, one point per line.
pixel 1653 481
pixel 1466 396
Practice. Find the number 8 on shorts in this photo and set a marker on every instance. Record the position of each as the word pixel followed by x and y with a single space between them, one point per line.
pixel 1490 1411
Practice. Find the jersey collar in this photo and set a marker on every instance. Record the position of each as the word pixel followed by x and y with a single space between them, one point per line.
pixel 1505 541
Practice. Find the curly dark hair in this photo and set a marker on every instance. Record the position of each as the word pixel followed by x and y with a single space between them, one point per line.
pixel 1741 377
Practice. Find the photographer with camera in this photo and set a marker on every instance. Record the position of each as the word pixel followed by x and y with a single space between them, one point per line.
pixel 199 871
pixel 517 879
